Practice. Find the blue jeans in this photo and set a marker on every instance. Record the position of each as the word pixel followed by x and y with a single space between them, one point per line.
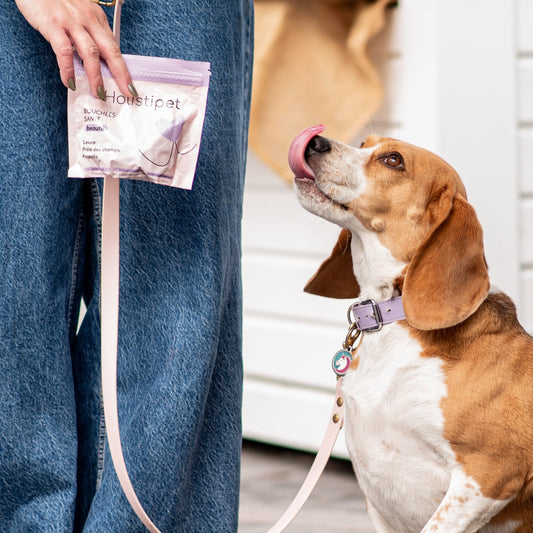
pixel 179 361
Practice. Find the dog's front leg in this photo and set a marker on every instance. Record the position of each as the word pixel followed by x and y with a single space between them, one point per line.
pixel 464 509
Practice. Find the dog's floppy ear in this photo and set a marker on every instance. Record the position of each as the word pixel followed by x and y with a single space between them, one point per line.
pixel 335 277
pixel 447 280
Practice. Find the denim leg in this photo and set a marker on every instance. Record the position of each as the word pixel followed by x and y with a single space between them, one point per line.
pixel 179 368
pixel 41 243
pixel 179 363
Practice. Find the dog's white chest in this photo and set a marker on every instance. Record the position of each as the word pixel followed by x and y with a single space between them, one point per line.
pixel 394 428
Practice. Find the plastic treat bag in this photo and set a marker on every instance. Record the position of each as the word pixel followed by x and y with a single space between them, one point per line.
pixel 153 137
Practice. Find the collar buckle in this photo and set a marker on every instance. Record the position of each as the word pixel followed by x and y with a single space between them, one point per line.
pixel 375 314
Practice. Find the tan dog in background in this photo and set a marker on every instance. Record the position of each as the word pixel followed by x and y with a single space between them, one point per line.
pixel 439 404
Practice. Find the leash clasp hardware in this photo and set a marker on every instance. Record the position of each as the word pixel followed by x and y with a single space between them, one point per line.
pixel 104 3
pixel 353 334
pixel 376 313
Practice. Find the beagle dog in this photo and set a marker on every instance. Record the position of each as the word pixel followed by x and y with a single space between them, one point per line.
pixel 439 396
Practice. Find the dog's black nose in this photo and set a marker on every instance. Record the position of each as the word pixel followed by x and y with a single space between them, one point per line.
pixel 317 144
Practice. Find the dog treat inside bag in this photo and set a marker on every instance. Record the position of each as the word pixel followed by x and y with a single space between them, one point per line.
pixel 152 137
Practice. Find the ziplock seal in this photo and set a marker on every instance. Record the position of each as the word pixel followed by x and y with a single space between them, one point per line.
pixel 158 69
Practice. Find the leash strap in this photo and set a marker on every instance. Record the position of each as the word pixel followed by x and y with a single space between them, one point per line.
pixel 109 309
pixel 109 344
pixel 335 425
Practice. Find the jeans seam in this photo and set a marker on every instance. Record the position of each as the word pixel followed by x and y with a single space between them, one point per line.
pixel 100 463
pixel 74 277
pixel 100 456
pixel 249 29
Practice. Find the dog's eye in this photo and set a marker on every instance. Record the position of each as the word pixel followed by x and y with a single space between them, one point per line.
pixel 394 161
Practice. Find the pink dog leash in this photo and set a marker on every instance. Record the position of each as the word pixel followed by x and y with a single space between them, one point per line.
pixel 109 343
pixel 109 339
pixel 335 425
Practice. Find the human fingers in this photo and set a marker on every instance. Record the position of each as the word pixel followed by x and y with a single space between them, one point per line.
pixel 109 51
pixel 50 19
pixel 89 53
pixel 81 24
pixel 62 47
pixel 94 40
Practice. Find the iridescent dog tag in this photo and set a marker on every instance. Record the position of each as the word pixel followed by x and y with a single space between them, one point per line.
pixel 341 362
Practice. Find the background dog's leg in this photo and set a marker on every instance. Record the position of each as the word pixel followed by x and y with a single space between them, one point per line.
pixel 464 509
pixel 378 523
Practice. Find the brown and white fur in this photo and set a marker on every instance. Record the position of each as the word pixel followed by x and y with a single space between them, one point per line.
pixel 439 407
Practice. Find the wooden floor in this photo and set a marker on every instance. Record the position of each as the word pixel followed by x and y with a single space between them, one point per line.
pixel 271 477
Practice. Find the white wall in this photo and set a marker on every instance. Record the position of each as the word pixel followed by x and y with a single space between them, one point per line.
pixel 524 67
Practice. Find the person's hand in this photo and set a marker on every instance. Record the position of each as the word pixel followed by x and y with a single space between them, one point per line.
pixel 79 24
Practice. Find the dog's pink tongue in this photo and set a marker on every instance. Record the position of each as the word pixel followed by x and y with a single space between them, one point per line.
pixel 297 160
